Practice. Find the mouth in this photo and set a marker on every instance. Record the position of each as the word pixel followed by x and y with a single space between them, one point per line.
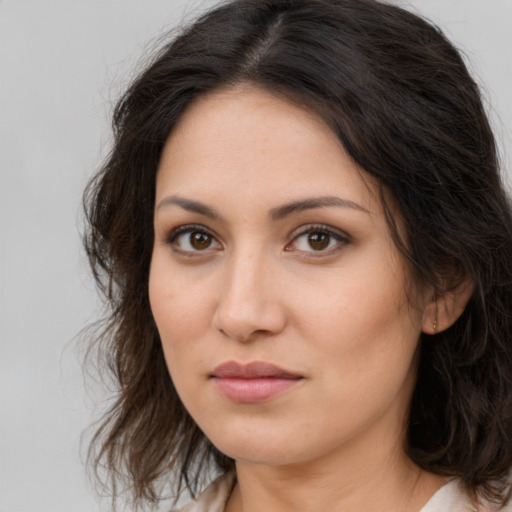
pixel 253 382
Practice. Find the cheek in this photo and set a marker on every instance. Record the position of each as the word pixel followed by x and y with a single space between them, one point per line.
pixel 181 313
pixel 180 316
pixel 179 304
pixel 358 306
pixel 363 326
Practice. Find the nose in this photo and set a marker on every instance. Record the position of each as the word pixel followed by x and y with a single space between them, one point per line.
pixel 249 304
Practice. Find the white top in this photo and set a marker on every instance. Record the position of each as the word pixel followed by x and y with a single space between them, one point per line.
pixel 449 498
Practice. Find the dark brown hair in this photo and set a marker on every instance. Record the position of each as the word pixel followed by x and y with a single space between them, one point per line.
pixel 401 101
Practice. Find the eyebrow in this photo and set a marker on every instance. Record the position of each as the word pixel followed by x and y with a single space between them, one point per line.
pixel 312 203
pixel 191 206
pixel 275 214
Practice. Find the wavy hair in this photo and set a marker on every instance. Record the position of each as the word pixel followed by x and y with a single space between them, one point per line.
pixel 401 101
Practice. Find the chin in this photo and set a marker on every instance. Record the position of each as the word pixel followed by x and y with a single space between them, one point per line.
pixel 256 446
pixel 271 446
pixel 260 453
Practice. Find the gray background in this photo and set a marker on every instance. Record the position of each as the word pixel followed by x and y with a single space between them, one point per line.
pixel 62 65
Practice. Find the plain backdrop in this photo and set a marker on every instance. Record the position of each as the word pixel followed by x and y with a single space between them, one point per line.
pixel 63 63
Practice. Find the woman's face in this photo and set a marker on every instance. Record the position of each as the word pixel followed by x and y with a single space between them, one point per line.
pixel 277 291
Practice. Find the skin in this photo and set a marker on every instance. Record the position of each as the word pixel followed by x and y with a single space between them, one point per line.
pixel 255 288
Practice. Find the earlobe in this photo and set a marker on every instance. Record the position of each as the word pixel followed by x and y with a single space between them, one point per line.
pixel 443 310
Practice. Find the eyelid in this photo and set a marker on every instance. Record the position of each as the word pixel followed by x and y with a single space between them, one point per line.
pixel 184 228
pixel 325 228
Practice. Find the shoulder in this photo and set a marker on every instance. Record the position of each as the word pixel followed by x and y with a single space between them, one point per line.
pixel 453 497
pixel 213 498
pixel 450 497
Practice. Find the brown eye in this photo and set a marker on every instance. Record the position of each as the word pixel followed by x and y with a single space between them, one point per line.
pixel 200 241
pixel 318 241
pixel 189 239
pixel 322 240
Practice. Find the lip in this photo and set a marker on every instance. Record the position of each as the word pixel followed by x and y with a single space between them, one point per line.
pixel 253 382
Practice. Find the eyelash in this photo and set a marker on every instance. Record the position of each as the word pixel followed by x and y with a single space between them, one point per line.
pixel 340 238
pixel 181 230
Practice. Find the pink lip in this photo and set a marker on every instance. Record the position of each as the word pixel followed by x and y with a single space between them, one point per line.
pixel 252 383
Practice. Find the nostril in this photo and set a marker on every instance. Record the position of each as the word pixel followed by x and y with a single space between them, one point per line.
pixel 249 321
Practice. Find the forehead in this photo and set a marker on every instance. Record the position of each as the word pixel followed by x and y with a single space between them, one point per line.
pixel 256 143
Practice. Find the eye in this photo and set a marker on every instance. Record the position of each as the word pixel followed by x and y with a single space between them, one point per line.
pixel 192 239
pixel 318 239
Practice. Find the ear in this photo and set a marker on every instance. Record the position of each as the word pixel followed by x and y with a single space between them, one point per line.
pixel 443 310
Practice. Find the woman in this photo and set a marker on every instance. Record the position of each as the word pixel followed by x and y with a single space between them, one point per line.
pixel 306 247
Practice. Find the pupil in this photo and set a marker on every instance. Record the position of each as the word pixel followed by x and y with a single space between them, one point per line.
pixel 200 240
pixel 318 241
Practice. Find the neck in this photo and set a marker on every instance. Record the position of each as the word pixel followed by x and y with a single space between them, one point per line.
pixel 383 480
